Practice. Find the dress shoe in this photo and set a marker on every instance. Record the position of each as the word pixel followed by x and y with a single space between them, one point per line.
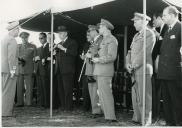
pixel 19 106
pixel 134 122
pixel 96 115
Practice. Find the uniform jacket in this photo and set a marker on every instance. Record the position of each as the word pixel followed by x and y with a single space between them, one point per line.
pixel 66 60
pixel 170 58
pixel 9 54
pixel 93 49
pixel 27 52
pixel 135 56
pixel 107 54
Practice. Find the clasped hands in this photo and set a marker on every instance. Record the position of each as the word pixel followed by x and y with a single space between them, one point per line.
pixel 89 56
pixel 61 47
pixel 131 67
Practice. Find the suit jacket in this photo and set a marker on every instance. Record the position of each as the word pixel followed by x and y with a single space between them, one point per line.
pixel 93 49
pixel 43 54
pixel 107 54
pixel 9 54
pixel 66 60
pixel 170 58
pixel 135 56
pixel 157 45
pixel 27 52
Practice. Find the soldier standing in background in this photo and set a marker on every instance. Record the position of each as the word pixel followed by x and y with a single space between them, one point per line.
pixel 25 79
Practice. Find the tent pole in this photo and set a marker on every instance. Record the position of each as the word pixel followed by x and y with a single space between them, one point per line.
pixel 51 73
pixel 125 43
pixel 144 63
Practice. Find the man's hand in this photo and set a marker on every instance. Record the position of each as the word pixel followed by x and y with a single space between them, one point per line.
pixel 88 55
pixel 36 58
pixel 129 68
pixel 61 47
pixel 48 58
pixel 43 61
pixel 82 56
pixel 95 60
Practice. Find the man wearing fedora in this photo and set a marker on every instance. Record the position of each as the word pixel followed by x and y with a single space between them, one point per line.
pixel 9 68
pixel 104 69
pixel 66 58
pixel 134 63
pixel 26 54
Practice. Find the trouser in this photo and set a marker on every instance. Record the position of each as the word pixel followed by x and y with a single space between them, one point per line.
pixel 24 83
pixel 106 97
pixel 8 94
pixel 92 87
pixel 137 99
pixel 65 88
pixel 85 93
pixel 43 90
pixel 172 100
pixel 156 97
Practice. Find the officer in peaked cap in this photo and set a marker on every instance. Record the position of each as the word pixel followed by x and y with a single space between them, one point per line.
pixel 107 24
pixel 12 25
pixel 104 69
pixel 24 34
pixel 140 16
pixel 9 72
pixel 134 65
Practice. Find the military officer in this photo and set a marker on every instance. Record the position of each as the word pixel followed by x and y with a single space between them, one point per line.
pixel 104 69
pixel 26 65
pixel 92 85
pixel 9 66
pixel 134 62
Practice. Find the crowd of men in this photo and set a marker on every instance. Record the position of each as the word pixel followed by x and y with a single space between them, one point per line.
pixel 163 69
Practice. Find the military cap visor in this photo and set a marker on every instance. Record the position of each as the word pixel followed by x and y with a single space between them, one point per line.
pixel 107 24
pixel 12 25
pixel 24 34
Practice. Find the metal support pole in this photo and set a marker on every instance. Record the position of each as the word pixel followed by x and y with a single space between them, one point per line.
pixel 51 73
pixel 144 62
pixel 125 43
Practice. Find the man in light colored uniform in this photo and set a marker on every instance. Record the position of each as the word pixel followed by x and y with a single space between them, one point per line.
pixel 134 62
pixel 104 69
pixel 92 84
pixel 9 63
pixel 27 51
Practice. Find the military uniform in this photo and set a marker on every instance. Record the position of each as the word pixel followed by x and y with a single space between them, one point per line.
pixel 9 63
pixel 25 78
pixel 135 57
pixel 104 70
pixel 92 84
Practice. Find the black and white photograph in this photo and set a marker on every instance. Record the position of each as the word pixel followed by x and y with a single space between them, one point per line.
pixel 91 63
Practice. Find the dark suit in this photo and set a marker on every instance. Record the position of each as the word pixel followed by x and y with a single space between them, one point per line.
pixel 66 73
pixel 156 88
pixel 42 76
pixel 169 73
